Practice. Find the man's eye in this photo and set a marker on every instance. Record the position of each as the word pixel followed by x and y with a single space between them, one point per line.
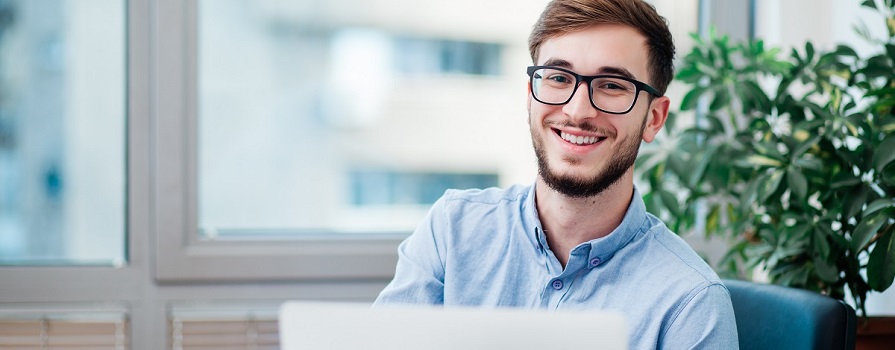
pixel 562 79
pixel 615 86
pixel 611 86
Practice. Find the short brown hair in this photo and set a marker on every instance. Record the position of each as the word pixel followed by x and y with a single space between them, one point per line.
pixel 565 16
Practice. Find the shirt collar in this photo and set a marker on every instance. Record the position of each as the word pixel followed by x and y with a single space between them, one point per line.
pixel 635 218
pixel 601 249
pixel 531 221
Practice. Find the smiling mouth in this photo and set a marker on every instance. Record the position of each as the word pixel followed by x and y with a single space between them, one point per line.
pixel 579 140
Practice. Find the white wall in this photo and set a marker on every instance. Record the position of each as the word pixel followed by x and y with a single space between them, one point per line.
pixel 823 22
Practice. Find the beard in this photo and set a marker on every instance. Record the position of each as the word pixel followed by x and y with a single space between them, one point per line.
pixel 587 185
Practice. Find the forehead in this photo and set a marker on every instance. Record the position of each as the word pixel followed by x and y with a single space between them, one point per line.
pixel 593 49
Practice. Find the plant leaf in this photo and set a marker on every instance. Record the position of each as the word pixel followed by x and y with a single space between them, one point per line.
pixel 845 181
pixel 884 154
pixel 820 242
pixel 715 124
pixel 704 159
pixel 825 270
pixel 692 98
pixel 770 186
pixel 878 205
pixel 761 100
pixel 689 74
pixel 855 202
pixel 806 145
pixel 881 92
pixel 877 66
pixel 797 183
pixel 760 160
pixel 722 99
pixel 713 219
pixel 670 202
pixel 865 231
pixel 844 50
pixel 881 265
pixel 670 122
pixel 809 51
pixel 749 196
pixel 809 162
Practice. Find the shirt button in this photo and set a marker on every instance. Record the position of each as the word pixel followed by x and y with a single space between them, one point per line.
pixel 557 284
pixel 594 262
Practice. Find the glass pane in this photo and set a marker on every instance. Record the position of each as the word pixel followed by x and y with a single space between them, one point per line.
pixel 317 118
pixel 62 132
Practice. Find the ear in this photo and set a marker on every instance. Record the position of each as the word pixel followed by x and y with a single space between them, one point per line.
pixel 656 118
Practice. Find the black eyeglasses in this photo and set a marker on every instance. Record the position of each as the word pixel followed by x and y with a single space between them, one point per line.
pixel 609 93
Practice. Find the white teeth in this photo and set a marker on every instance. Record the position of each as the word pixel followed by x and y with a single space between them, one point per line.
pixel 578 140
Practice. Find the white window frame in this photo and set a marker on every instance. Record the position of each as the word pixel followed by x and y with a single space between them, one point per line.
pixel 180 254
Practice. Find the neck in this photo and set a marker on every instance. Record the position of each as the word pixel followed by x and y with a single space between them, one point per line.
pixel 570 221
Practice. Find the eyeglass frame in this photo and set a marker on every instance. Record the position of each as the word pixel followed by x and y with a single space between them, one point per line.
pixel 638 85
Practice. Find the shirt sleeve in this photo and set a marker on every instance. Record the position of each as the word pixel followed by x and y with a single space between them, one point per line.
pixel 419 276
pixel 705 322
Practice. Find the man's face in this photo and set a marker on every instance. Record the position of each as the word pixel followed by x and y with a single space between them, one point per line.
pixel 581 150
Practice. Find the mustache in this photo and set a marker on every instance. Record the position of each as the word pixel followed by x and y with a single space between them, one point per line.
pixel 583 126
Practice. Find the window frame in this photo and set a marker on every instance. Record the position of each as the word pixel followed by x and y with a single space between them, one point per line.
pixel 180 254
pixel 92 287
pixel 39 283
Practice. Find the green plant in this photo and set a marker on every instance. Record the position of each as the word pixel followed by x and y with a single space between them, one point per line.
pixel 792 159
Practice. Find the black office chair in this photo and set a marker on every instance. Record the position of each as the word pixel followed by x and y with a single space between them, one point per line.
pixel 776 317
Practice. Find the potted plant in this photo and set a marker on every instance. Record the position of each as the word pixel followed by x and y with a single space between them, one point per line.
pixel 792 159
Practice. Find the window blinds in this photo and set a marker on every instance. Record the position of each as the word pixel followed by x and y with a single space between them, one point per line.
pixel 64 334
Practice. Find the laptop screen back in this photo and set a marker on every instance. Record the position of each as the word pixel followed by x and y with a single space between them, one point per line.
pixel 343 326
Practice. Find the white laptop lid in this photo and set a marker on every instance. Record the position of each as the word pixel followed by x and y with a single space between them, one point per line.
pixel 343 326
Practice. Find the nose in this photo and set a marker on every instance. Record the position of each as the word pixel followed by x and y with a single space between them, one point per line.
pixel 580 107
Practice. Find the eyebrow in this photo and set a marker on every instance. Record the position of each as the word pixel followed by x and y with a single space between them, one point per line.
pixel 621 71
pixel 616 71
pixel 558 62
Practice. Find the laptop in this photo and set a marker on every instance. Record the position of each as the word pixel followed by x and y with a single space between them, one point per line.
pixel 344 326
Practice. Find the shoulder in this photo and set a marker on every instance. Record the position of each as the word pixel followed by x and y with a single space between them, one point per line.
pixel 469 216
pixel 702 301
pixel 486 196
pixel 678 254
pixel 471 202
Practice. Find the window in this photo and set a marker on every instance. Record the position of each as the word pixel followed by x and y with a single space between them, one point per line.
pixel 289 110
pixel 62 133
pixel 268 112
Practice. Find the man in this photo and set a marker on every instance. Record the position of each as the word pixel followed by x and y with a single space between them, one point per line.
pixel 580 237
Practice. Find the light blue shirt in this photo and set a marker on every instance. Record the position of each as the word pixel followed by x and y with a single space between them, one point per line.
pixel 487 248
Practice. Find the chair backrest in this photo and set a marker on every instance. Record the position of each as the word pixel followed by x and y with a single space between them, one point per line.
pixel 776 317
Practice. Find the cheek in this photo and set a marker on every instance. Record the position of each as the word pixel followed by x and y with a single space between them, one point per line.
pixel 638 128
pixel 536 112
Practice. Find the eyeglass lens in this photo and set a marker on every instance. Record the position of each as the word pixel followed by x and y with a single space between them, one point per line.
pixel 609 94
